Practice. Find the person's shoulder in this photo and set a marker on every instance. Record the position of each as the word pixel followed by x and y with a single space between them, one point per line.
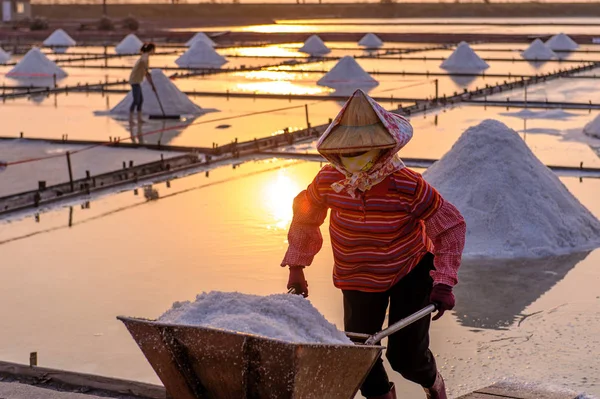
pixel 407 175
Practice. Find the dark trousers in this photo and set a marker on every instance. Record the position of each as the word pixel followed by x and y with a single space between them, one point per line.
pixel 138 98
pixel 408 349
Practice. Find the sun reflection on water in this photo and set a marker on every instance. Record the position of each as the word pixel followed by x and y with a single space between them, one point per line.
pixel 278 196
pixel 277 82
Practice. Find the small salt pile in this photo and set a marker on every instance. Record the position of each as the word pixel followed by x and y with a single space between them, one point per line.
pixel 513 204
pixel 561 42
pixel 35 64
pixel 60 41
pixel 130 44
pixel 592 128
pixel 347 73
pixel 4 56
pixel 284 317
pixel 314 46
pixel 173 100
pixel 537 50
pixel 200 36
pixel 201 55
pixel 464 59
pixel 370 40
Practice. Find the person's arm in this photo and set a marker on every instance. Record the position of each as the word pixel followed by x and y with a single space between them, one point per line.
pixel 304 237
pixel 148 74
pixel 446 228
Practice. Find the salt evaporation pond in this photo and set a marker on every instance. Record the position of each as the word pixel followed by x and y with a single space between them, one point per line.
pixel 199 236
pixel 528 319
pixel 284 317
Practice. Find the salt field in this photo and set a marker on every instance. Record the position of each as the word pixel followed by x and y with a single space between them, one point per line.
pixel 527 299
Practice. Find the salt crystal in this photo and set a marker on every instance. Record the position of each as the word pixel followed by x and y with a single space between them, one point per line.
pixel 285 317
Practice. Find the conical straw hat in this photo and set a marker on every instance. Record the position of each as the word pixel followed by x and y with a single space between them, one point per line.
pixel 360 129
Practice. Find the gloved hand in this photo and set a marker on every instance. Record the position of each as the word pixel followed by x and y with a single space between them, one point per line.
pixel 297 280
pixel 442 296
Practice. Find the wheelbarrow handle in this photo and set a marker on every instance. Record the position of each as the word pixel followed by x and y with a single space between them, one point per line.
pixel 426 311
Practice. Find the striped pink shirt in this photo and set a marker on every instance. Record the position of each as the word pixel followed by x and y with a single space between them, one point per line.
pixel 380 236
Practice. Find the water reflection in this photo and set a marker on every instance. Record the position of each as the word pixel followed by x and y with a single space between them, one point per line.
pixel 492 294
pixel 278 195
pixel 157 131
pixel 277 82
pixel 463 81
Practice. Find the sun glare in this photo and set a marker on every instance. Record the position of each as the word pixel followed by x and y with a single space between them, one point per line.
pixel 278 196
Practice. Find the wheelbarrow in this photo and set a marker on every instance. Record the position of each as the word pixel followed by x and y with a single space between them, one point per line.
pixel 195 362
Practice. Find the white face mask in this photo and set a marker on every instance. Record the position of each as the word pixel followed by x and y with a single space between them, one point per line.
pixel 360 163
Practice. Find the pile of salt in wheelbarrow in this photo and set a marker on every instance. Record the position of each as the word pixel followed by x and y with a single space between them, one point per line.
pixel 198 362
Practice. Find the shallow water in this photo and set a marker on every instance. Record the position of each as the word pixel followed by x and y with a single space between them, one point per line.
pixel 542 26
pixel 227 232
pixel 69 272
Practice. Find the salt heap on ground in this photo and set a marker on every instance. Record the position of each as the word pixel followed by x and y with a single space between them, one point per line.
pixel 200 37
pixel 131 44
pixel 370 40
pixel 514 206
pixel 59 40
pixel 36 64
pixel 173 100
pixel 284 317
pixel 314 46
pixel 464 59
pixel 561 42
pixel 4 56
pixel 537 50
pixel 201 55
pixel 593 128
pixel 347 73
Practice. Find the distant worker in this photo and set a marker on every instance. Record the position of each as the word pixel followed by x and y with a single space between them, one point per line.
pixel 140 70
pixel 396 242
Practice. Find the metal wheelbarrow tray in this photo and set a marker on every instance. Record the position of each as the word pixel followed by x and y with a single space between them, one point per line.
pixel 196 362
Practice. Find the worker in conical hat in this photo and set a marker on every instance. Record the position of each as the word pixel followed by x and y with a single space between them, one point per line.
pixel 395 240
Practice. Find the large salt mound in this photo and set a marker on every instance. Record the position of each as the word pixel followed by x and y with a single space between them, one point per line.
pixel 592 128
pixel 464 59
pixel 314 46
pixel 174 101
pixel 347 74
pixel 284 317
pixel 537 50
pixel 514 206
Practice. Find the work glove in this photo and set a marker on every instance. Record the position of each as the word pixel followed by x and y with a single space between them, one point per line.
pixel 443 298
pixel 297 281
